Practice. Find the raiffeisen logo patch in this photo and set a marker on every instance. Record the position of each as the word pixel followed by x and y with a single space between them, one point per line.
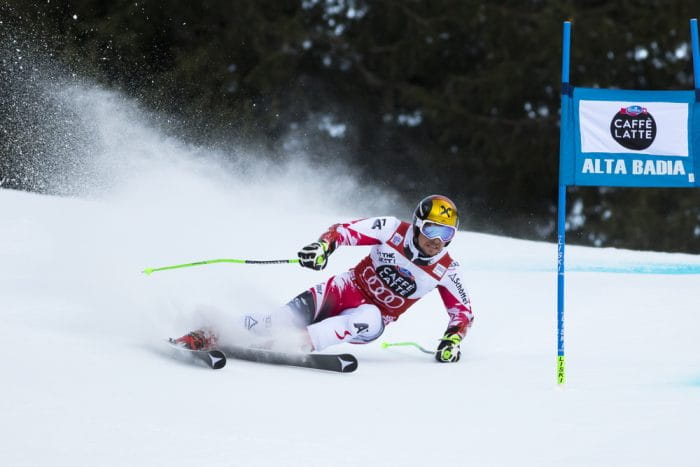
pixel 633 127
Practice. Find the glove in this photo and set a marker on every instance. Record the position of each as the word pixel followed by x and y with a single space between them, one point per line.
pixel 314 256
pixel 448 349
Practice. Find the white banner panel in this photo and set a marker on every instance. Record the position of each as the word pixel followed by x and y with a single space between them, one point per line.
pixel 624 127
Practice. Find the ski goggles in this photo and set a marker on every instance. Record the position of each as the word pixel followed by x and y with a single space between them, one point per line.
pixel 433 230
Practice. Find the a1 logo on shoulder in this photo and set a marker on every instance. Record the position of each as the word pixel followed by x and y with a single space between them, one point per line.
pixel 633 127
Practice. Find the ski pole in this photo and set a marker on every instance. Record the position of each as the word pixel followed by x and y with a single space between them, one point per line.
pixel 407 344
pixel 213 261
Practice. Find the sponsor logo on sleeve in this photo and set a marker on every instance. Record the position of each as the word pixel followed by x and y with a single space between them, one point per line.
pixel 439 270
pixel 460 288
pixel 396 239
pixel 379 223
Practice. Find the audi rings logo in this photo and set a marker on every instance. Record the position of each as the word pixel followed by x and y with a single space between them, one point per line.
pixel 382 294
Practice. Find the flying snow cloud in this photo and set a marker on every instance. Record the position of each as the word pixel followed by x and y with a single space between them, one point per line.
pixel 147 198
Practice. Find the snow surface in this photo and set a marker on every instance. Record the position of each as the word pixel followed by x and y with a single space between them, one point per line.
pixel 87 380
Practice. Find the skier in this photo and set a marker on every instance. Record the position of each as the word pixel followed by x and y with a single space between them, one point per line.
pixel 405 263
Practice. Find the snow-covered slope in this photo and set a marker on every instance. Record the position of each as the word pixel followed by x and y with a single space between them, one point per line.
pixel 87 380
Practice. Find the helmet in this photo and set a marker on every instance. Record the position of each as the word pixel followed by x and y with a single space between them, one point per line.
pixel 436 209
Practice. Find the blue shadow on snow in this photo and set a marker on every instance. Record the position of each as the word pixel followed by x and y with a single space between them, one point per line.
pixel 650 268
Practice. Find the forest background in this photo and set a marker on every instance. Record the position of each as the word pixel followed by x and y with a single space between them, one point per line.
pixel 415 96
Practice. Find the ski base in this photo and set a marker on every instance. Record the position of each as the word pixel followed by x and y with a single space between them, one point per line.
pixel 341 363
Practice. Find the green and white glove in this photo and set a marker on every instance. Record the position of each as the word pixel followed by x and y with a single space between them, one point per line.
pixel 314 256
pixel 448 349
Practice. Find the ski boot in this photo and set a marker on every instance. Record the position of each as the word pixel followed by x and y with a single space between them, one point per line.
pixel 201 339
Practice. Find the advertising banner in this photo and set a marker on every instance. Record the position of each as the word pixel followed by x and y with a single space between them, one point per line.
pixel 631 138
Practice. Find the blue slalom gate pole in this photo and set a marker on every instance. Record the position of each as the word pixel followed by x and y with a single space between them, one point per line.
pixel 561 207
pixel 566 51
pixel 561 244
pixel 696 54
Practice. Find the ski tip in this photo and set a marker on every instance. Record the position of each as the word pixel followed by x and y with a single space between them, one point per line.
pixel 347 362
pixel 217 359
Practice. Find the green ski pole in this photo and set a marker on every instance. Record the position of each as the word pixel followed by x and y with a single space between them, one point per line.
pixel 407 344
pixel 150 271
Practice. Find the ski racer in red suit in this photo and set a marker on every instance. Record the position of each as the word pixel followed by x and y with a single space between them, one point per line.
pixel 406 262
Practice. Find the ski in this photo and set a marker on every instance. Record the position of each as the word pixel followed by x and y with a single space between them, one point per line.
pixel 214 358
pixel 341 363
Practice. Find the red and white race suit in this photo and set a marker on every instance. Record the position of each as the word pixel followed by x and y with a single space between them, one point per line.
pixel 391 278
